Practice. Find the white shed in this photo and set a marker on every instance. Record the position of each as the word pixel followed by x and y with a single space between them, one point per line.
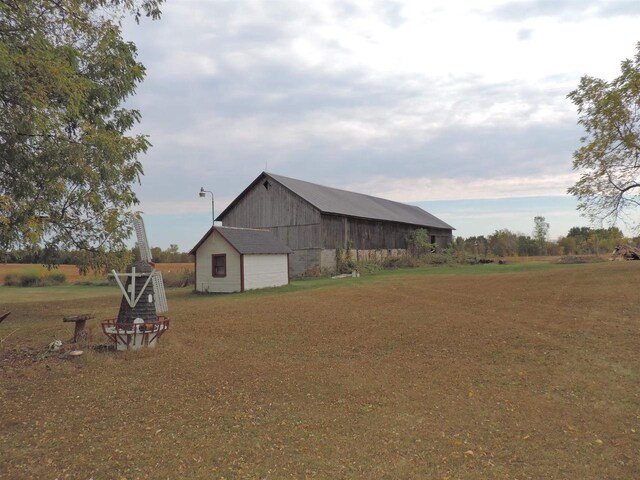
pixel 232 259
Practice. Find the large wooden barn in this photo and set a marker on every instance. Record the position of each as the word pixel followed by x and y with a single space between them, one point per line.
pixel 314 220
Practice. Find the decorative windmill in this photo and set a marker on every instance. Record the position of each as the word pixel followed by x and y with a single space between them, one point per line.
pixel 139 322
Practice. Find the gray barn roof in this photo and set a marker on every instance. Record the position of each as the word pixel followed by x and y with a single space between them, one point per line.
pixel 247 240
pixel 351 204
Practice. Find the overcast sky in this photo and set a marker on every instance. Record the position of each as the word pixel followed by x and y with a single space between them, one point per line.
pixel 459 107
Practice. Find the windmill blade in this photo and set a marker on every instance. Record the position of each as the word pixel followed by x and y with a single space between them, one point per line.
pixel 141 234
pixel 160 298
pixel 158 293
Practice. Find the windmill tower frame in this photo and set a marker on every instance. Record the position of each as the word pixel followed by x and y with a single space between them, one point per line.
pixel 134 327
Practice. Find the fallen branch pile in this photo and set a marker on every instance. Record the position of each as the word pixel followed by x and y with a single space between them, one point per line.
pixel 625 252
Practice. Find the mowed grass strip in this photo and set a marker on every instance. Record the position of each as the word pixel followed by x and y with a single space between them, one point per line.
pixel 463 374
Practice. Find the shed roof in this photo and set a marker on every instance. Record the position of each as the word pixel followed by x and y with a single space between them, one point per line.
pixel 342 202
pixel 247 240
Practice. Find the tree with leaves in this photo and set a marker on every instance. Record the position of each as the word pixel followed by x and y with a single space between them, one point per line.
pixel 540 232
pixel 528 247
pixel 419 243
pixel 609 159
pixel 67 164
pixel 477 245
pixel 503 243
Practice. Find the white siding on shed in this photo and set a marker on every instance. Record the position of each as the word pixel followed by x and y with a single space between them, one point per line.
pixel 265 270
pixel 205 281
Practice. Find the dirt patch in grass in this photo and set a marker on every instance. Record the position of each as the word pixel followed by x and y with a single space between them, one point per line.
pixel 529 374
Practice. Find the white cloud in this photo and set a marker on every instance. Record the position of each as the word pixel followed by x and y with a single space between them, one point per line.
pixel 197 205
pixel 411 190
pixel 406 190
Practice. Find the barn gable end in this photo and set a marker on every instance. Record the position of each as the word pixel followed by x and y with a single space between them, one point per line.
pixel 290 218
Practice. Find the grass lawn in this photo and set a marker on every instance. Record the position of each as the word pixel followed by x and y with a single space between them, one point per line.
pixel 495 371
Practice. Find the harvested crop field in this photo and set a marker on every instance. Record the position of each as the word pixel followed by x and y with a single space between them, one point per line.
pixel 73 275
pixel 500 372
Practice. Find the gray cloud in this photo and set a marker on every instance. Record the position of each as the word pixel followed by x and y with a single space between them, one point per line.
pixel 287 100
pixel 454 152
pixel 224 98
pixel 365 94
pixel 620 8
pixel 566 10
pixel 524 34
pixel 391 12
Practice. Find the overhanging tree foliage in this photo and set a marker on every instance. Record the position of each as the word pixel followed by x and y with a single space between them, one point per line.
pixel 67 165
pixel 609 159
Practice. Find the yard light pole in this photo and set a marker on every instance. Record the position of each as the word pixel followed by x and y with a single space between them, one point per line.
pixel 203 193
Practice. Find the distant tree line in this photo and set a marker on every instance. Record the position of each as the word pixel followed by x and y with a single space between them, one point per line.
pixel 578 241
pixel 501 243
pixel 584 240
pixel 76 257
pixel 170 255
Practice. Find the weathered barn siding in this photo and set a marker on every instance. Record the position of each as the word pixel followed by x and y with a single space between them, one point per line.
pixel 272 207
pixel 262 271
pixel 290 218
pixel 444 239
pixel 298 237
pixel 372 234
pixel 363 234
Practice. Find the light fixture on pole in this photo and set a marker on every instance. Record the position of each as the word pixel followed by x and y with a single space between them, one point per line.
pixel 203 193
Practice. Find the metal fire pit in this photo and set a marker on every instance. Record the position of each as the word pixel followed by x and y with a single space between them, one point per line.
pixel 139 334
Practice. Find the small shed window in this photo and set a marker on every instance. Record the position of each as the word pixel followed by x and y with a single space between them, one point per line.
pixel 219 265
pixel 266 184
